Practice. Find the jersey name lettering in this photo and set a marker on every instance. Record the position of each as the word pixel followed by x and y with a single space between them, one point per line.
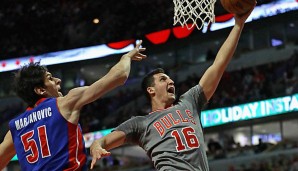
pixel 33 117
pixel 168 121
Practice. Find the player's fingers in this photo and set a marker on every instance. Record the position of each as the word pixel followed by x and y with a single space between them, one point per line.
pixel 133 52
pixel 141 55
pixel 136 50
pixel 93 162
pixel 136 58
pixel 94 159
pixel 142 49
pixel 139 44
pixel 106 154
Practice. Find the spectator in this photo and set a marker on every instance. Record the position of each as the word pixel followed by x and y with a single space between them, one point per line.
pixel 215 149
pixel 294 166
pixel 261 146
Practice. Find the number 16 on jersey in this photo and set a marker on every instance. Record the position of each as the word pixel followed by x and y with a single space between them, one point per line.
pixel 188 134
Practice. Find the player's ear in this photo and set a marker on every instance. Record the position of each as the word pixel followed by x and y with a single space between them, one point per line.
pixel 150 90
pixel 40 90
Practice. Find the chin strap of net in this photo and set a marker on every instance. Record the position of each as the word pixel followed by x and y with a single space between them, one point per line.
pixel 192 13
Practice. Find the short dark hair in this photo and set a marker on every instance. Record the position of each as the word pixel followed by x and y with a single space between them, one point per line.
pixel 26 79
pixel 148 80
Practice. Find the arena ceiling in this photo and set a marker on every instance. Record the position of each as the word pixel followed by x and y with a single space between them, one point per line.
pixel 35 27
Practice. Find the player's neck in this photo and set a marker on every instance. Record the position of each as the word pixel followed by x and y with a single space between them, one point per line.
pixel 157 105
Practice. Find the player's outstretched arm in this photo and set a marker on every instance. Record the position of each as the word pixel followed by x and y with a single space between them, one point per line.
pixel 118 74
pixel 213 74
pixel 98 148
pixel 7 150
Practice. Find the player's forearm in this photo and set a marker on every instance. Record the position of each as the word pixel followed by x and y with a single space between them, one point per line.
pixel 112 140
pixel 99 143
pixel 228 48
pixel 121 70
pixel 3 163
pixel 4 158
pixel 103 143
pixel 118 74
pixel 7 150
pixel 212 76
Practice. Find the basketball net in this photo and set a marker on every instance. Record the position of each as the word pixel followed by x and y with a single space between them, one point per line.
pixel 192 13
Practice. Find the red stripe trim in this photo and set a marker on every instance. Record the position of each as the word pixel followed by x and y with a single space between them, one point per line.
pixel 121 44
pixel 36 104
pixel 158 110
pixel 81 155
pixel 159 37
pixel 182 32
pixel 72 146
pixel 224 18
pixel 77 157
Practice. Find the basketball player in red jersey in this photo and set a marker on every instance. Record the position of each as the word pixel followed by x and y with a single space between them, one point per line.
pixel 172 134
pixel 47 135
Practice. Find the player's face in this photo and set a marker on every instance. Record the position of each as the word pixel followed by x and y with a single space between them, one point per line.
pixel 52 86
pixel 164 88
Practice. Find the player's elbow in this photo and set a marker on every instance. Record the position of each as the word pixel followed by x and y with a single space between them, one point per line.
pixel 120 79
pixel 123 80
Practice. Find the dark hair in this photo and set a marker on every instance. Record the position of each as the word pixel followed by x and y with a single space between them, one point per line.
pixel 26 79
pixel 148 80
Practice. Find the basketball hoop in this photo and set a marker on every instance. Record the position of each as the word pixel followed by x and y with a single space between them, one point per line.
pixel 192 13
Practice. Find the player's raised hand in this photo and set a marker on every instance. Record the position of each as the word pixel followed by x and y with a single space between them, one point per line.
pixel 97 152
pixel 242 18
pixel 135 53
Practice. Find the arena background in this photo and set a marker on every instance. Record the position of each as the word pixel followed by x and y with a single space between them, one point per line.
pixel 79 41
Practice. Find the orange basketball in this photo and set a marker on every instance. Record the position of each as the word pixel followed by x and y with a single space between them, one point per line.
pixel 238 6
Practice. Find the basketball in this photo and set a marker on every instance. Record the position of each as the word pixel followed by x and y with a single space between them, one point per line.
pixel 238 6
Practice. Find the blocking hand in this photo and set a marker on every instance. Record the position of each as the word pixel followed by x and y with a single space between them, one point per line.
pixel 135 53
pixel 97 152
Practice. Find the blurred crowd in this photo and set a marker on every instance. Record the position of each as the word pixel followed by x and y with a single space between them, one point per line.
pixel 279 163
pixel 11 109
pixel 45 26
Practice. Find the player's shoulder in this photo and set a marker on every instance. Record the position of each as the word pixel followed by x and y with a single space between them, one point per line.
pixel 138 117
pixel 138 120
pixel 195 90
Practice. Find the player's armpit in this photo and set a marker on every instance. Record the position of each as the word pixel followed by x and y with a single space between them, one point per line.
pixel 69 100
pixel 66 104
